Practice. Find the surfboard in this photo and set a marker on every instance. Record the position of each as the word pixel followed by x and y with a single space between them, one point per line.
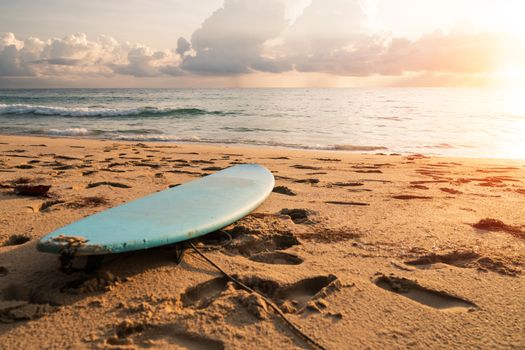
pixel 174 215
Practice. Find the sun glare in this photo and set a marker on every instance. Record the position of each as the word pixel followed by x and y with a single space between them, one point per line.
pixel 509 76
pixel 514 102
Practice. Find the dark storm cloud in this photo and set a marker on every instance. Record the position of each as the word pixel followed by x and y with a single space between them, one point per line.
pixel 231 40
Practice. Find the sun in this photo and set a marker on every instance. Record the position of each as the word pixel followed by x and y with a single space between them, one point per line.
pixel 510 76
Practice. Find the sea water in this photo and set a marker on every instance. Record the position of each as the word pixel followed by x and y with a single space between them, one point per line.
pixel 436 121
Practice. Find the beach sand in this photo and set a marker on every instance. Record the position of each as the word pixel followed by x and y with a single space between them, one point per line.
pixel 383 251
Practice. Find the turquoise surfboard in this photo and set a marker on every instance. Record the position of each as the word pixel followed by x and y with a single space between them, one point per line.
pixel 170 216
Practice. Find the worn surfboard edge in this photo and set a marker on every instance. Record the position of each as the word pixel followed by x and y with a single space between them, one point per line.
pixel 81 245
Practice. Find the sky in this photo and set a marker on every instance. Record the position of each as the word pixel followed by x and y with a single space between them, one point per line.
pixel 261 43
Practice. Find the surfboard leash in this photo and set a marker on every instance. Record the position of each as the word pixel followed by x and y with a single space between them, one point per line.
pixel 276 308
pixel 67 254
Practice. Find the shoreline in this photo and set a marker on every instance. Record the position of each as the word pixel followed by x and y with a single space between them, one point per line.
pixel 391 251
pixel 206 143
pixel 358 151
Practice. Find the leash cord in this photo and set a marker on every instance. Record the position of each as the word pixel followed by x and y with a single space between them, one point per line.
pixel 268 301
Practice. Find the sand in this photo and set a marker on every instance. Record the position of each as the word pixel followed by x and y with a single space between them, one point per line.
pixel 360 251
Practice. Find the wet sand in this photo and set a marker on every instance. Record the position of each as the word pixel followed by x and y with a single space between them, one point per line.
pixel 360 251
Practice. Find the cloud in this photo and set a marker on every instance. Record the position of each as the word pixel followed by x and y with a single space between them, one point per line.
pixel 331 36
pixel 231 40
pixel 459 53
pixel 467 53
pixel 59 61
pixel 75 55
pixel 183 46
pixel 326 25
pixel 247 36
pixel 145 62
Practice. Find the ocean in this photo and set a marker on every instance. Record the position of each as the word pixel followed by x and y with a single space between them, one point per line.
pixel 467 122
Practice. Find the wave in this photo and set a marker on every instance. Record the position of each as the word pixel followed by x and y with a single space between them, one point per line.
pixel 356 148
pixel 247 142
pixel 69 132
pixel 154 135
pixel 18 109
pixel 440 146
pixel 245 129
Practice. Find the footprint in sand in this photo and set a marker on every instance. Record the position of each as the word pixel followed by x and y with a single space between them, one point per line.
pixel 298 216
pixel 262 248
pixel 23 304
pixel 292 298
pixel 161 336
pixel 258 247
pixel 465 259
pixel 455 258
pixel 277 258
pixel 429 297
pixel 204 294
pixel 302 293
pixel 15 311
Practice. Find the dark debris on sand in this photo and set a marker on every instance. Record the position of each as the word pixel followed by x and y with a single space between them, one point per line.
pixel 108 183
pixel 88 202
pixel 362 204
pixel 298 216
pixel 31 190
pixel 489 224
pixel 307 181
pixel 16 239
pixel 284 190
pixel 409 196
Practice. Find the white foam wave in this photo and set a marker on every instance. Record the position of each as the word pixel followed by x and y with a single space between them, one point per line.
pixel 74 111
pixel 143 137
pixel 69 131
